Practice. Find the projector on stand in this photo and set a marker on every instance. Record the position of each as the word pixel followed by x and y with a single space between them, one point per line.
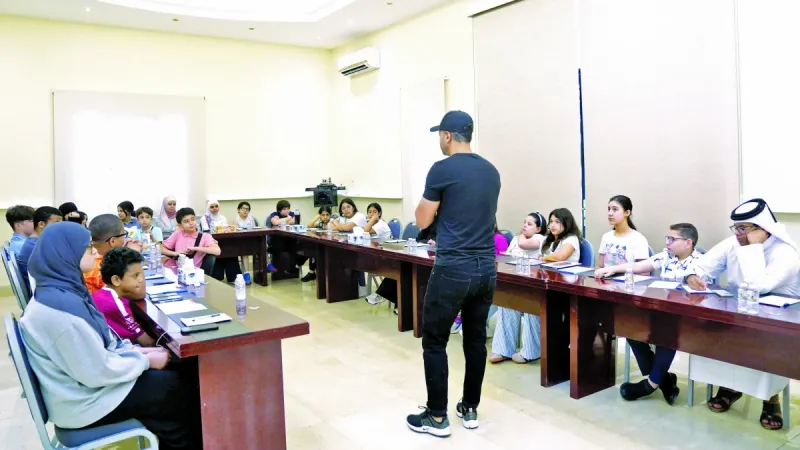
pixel 325 193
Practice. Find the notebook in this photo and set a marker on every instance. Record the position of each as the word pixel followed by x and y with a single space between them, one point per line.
pixel 778 301
pixel 561 265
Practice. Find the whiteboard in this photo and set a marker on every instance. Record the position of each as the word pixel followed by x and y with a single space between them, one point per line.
pixel 768 38
pixel 112 147
pixel 422 106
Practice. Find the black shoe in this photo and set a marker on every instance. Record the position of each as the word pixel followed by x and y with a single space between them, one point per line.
pixel 424 423
pixel 670 388
pixel 635 391
pixel 309 276
pixel 469 416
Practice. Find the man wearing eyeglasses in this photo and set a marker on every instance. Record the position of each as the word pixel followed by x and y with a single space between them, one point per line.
pixel 761 254
pixel 108 232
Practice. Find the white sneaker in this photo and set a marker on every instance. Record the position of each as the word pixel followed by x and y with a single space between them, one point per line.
pixel 375 299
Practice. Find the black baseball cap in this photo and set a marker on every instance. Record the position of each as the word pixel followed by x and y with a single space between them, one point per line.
pixel 456 122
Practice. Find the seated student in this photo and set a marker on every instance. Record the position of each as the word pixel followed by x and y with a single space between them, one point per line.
pixel 144 216
pixel 185 240
pixel 107 233
pixel 212 219
pixel 70 212
pixel 623 244
pixel 322 220
pixel 244 220
pixel 124 278
pixel 125 211
pixel 20 219
pixel 79 217
pixel 675 262
pixel 773 267
pixel 42 217
pixel 561 243
pixel 282 214
pixel 376 225
pixel 388 287
pixel 166 217
pixel 349 217
pixel 534 229
pixel 500 242
pixel 88 376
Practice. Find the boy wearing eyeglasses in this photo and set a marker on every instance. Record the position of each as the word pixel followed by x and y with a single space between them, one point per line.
pixel 107 232
pixel 772 266
pixel 675 262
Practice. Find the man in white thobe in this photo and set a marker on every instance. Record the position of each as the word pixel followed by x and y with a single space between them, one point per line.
pixel 761 254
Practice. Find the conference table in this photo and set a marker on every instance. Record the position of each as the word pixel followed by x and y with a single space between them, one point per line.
pixel 580 315
pixel 239 365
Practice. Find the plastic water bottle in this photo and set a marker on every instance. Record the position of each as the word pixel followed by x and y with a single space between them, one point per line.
pixel 753 296
pixel 241 296
pixel 156 255
pixel 741 298
pixel 630 280
pixel 181 273
pixel 411 245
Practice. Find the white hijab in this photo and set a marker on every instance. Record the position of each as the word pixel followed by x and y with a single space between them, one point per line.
pixel 214 218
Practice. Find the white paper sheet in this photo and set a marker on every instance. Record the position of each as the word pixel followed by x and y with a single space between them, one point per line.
pixel 636 278
pixel 561 265
pixel 777 300
pixel 180 307
pixel 160 289
pixel 576 270
pixel 660 284
pixel 688 289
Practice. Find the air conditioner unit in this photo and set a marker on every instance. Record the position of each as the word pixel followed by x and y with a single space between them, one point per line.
pixel 361 61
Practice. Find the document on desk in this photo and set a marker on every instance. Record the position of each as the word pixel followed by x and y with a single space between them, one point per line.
pixel 561 265
pixel 164 288
pixel 576 270
pixel 661 284
pixel 688 289
pixel 636 278
pixel 154 276
pixel 776 300
pixel 180 307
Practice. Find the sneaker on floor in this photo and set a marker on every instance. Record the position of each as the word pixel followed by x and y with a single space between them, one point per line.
pixel 375 299
pixel 469 416
pixel 456 326
pixel 424 423
pixel 309 276
pixel 271 268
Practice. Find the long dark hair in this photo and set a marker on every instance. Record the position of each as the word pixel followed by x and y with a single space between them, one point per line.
pixel 350 202
pixel 541 222
pixel 324 208
pixel 377 207
pixel 626 205
pixel 127 207
pixel 564 216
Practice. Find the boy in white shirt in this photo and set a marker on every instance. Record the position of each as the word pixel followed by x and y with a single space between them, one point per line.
pixel 675 262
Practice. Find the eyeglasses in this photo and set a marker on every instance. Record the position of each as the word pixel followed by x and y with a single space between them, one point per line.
pixel 117 236
pixel 743 229
pixel 671 239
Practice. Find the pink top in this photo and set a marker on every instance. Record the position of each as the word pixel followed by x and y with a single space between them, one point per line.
pixel 500 244
pixel 180 241
pixel 118 313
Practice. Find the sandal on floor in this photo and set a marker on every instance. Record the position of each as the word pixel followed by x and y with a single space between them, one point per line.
pixel 519 359
pixel 771 414
pixel 495 358
pixel 724 398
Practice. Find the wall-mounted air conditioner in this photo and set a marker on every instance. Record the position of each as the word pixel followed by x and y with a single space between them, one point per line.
pixel 361 61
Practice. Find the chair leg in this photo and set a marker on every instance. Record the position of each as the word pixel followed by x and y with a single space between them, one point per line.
pixel 369 283
pixel 627 372
pixel 709 392
pixel 691 392
pixel 787 406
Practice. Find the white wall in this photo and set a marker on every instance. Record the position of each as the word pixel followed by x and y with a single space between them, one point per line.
pixel 267 106
pixel 366 142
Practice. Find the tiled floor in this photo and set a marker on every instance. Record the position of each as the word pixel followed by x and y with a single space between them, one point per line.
pixel 352 381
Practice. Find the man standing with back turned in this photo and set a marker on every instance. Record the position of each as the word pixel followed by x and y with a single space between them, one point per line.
pixel 462 191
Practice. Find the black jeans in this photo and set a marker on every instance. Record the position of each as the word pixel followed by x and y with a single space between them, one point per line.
pixel 167 404
pixel 388 290
pixel 656 365
pixel 226 267
pixel 468 288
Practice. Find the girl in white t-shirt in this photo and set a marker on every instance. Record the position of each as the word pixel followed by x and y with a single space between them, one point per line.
pixel 349 217
pixel 375 224
pixel 563 241
pixel 623 244
pixel 531 236
pixel 507 331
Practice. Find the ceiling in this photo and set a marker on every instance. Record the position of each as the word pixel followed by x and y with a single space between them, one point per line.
pixel 311 23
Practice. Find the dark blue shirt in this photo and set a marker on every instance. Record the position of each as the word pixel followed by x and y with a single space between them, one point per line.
pixel 278 215
pixel 24 256
pixel 467 187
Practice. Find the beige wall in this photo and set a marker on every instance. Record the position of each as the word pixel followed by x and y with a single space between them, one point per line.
pixel 267 106
pixel 366 109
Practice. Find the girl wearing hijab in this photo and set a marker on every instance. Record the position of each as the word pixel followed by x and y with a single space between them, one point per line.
pixel 166 218
pixel 88 376
pixel 212 218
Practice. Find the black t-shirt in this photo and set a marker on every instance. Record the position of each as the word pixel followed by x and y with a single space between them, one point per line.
pixel 467 187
